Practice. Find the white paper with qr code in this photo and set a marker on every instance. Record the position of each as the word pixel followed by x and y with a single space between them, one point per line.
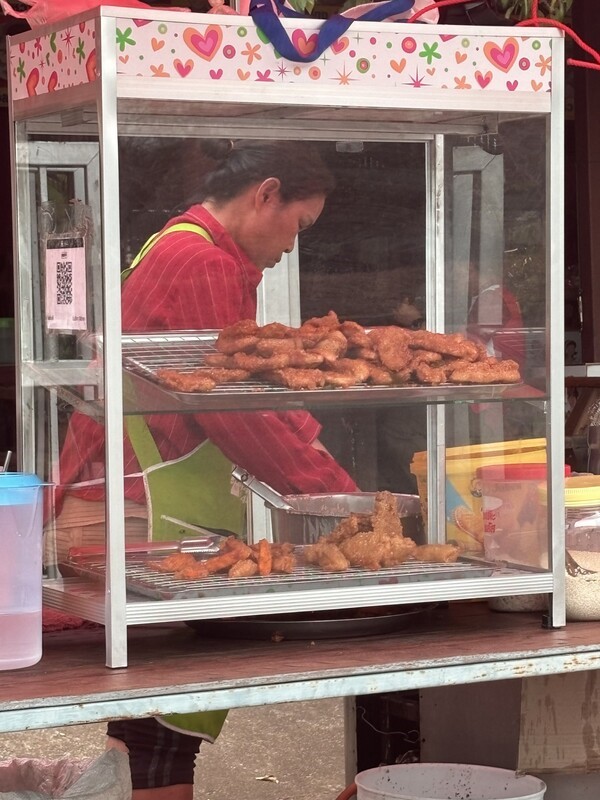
pixel 66 307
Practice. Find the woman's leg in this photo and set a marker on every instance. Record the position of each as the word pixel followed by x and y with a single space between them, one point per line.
pixel 161 760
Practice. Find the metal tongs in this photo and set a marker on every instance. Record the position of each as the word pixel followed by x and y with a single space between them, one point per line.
pixel 207 543
pixel 263 490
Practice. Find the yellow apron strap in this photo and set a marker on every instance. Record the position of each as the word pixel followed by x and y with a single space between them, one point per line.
pixel 179 226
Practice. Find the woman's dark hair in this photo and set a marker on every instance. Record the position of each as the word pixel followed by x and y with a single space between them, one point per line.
pixel 298 166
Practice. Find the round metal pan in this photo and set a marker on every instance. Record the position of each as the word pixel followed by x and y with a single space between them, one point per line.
pixel 342 624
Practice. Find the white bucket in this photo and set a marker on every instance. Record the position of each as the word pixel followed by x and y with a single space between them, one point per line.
pixel 446 782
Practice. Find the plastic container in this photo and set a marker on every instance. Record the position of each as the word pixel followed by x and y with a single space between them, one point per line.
pixel 464 512
pixel 21 504
pixel 446 782
pixel 582 538
pixel 515 521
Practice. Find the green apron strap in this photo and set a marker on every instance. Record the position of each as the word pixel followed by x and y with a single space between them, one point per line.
pixel 179 226
pixel 142 441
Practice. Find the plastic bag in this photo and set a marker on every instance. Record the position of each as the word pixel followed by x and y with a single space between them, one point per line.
pixel 105 778
pixel 265 14
pixel 41 12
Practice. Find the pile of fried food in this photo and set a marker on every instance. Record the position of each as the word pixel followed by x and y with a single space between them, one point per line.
pixel 237 559
pixel 370 541
pixel 324 352
pixel 373 541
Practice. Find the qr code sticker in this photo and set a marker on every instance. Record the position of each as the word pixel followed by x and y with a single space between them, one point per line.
pixel 64 282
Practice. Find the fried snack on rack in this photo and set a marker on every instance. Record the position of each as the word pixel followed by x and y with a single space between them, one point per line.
pixel 385 518
pixel 271 346
pixel 357 367
pixel 355 334
pixel 327 556
pixel 332 346
pixel 329 322
pixel 223 375
pixel 379 376
pixel 384 545
pixel 236 344
pixel 220 360
pixel 282 548
pixel 492 370
pixel 233 544
pixel 196 381
pixel 340 380
pixel 396 550
pixel 391 344
pixel 372 550
pixel 305 359
pixel 293 378
pixel 264 557
pixel 254 363
pixel 450 344
pixel 225 560
pixel 193 572
pixel 437 553
pixel 243 327
pixel 245 568
pixel 366 353
pixel 284 562
pixel 173 562
pixel 276 330
pixel 432 375
pixel 349 526
pixel 419 356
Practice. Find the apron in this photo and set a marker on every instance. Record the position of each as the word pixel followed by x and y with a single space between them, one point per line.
pixel 195 488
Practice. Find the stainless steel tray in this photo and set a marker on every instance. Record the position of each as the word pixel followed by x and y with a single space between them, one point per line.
pixel 140 579
pixel 345 623
pixel 144 354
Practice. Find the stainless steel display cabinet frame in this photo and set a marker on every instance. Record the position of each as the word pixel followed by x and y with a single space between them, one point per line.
pixel 135 105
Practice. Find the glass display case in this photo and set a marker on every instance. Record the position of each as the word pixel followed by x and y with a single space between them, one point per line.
pixel 445 223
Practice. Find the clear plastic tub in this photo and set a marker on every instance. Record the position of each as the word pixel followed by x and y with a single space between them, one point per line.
pixel 582 536
pixel 514 518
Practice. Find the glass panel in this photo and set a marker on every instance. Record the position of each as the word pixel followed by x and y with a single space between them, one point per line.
pixel 365 259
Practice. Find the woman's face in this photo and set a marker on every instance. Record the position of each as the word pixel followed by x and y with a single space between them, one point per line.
pixel 277 225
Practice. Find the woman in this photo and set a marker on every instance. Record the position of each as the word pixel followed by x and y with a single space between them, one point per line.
pixel 202 272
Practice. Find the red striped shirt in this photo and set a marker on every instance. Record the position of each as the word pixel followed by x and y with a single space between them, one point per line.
pixel 188 283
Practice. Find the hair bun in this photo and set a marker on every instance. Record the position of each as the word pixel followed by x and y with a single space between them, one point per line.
pixel 217 149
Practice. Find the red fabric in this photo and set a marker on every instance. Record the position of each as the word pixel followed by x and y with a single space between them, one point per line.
pixel 186 282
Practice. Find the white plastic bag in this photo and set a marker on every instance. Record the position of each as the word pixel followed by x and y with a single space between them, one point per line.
pixel 105 778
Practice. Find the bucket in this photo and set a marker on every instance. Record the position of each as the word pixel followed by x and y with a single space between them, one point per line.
pixel 464 511
pixel 446 782
pixel 20 570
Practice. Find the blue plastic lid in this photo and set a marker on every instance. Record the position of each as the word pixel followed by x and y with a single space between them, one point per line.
pixel 14 480
pixel 11 484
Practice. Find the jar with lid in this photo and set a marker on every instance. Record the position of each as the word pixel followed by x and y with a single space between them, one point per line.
pixel 582 538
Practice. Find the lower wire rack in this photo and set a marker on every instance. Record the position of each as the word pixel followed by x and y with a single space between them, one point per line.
pixel 142 579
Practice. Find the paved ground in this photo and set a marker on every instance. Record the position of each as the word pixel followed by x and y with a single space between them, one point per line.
pixel 298 747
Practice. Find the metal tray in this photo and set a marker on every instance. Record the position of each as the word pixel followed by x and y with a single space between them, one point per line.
pixel 140 579
pixel 144 354
pixel 342 624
